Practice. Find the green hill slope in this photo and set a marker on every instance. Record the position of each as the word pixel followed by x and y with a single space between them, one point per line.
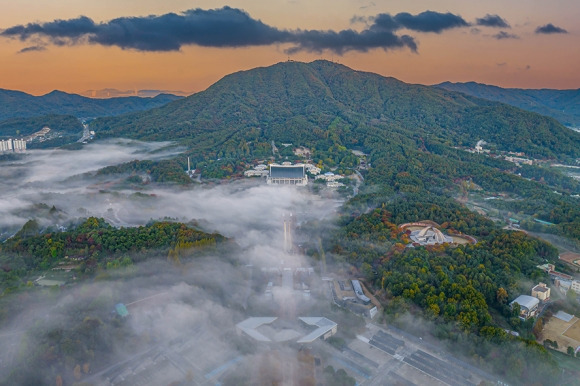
pixel 17 104
pixel 300 102
pixel 563 105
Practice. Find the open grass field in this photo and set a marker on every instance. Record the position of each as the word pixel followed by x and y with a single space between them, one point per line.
pixel 565 333
pixel 573 331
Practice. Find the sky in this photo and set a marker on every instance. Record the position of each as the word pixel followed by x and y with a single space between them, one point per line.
pixel 186 45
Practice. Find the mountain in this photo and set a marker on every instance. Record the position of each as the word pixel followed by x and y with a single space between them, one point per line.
pixel 563 105
pixel 113 92
pixel 305 102
pixel 17 104
pixel 21 127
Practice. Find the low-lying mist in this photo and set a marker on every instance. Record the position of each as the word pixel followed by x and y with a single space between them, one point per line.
pixel 185 312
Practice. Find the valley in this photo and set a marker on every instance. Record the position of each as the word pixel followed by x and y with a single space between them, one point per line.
pixel 352 176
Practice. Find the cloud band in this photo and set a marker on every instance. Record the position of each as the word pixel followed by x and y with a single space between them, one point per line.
pixel 231 27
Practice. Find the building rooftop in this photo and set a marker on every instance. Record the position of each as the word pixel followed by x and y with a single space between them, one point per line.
pixel 121 310
pixel 287 171
pixel 564 316
pixel 526 301
pixel 250 325
pixel 359 291
pixel 429 236
pixel 324 325
pixel 540 288
pixel 263 329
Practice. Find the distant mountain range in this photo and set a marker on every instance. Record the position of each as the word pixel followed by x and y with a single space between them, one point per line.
pixel 17 104
pixel 563 105
pixel 113 93
pixel 309 102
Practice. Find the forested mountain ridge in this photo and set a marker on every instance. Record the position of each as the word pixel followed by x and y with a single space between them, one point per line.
pixel 299 102
pixel 563 105
pixel 17 104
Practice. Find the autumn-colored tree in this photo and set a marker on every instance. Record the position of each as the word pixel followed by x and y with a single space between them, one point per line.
pixel 58 380
pixel 77 372
pixel 501 295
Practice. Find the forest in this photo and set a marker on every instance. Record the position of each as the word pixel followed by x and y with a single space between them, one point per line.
pixel 414 138
pixel 92 246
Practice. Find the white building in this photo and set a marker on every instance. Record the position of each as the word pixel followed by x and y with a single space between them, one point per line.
pixel 430 236
pixel 541 291
pixel 334 184
pixel 287 174
pixel 13 145
pixel 329 176
pixel 19 145
pixel 518 160
pixel 575 286
pixel 259 170
pixel 528 306
pixel 6 145
pixel 256 173
pixel 312 169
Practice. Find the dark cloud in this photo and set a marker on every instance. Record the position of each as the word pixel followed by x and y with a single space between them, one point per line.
pixel 492 21
pixel 225 27
pixel 59 29
pixel 430 21
pixel 369 5
pixel 349 40
pixel 550 29
pixel 359 19
pixel 230 27
pixel 32 49
pixel 505 35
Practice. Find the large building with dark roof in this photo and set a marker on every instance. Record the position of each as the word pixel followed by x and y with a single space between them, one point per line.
pixel 287 175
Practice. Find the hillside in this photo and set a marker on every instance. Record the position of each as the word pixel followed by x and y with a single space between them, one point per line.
pixel 408 131
pixel 563 105
pixel 301 102
pixel 19 127
pixel 17 104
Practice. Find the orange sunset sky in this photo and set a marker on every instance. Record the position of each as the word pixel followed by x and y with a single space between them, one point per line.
pixel 537 44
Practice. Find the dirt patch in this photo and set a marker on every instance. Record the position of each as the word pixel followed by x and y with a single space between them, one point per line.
pixel 565 333
pixel 571 258
pixel 574 331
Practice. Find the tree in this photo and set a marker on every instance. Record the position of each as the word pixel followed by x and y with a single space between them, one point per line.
pixel 570 351
pixel 77 372
pixel 538 327
pixel 571 296
pixel 501 295
pixel 367 271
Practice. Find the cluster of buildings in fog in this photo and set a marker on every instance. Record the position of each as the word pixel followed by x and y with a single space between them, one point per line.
pixel 293 174
pixel 530 306
pixel 12 145
pixel 561 280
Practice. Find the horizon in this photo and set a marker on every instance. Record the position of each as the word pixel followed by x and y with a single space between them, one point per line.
pixel 116 93
pixel 182 46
